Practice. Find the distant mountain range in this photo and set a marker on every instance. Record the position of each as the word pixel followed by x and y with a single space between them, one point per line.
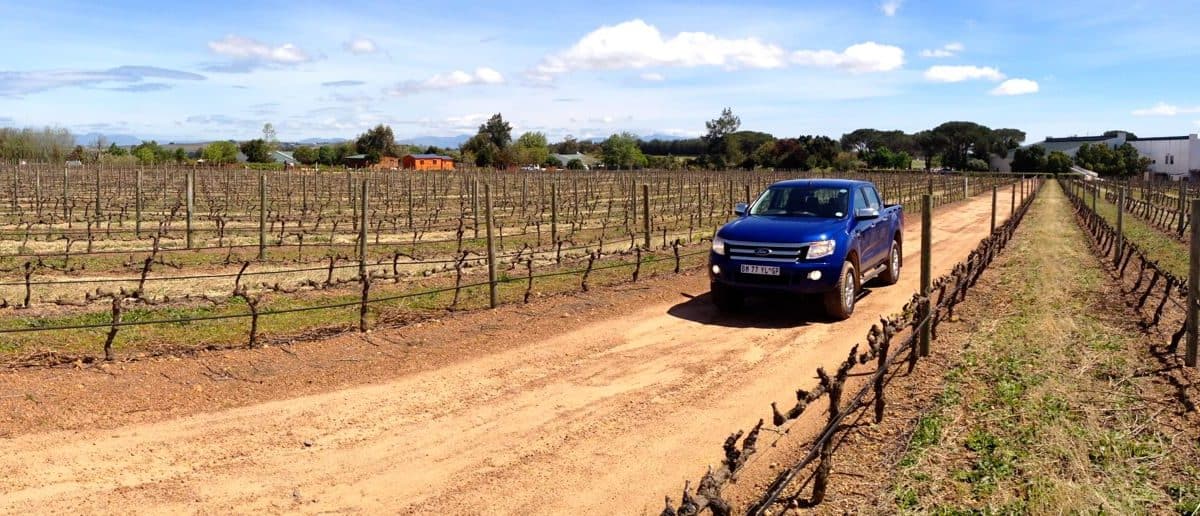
pixel 444 142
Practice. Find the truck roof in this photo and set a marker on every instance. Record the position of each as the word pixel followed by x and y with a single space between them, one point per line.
pixel 828 183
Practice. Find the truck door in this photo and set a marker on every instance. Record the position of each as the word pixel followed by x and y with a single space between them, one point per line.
pixel 872 236
pixel 864 232
pixel 881 233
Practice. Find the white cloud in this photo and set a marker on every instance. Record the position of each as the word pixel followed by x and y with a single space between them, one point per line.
pixel 247 49
pixel 1164 109
pixel 13 83
pixel 361 46
pixel 637 44
pixel 889 7
pixel 962 73
pixel 445 81
pixel 653 77
pixel 860 58
pixel 947 50
pixel 1016 87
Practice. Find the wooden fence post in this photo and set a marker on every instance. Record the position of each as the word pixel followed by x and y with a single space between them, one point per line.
pixel 1012 203
pixel 66 193
pixel 475 206
pixel 1193 307
pixel 262 216
pixel 554 213
pixel 926 271
pixel 362 231
pixel 1120 225
pixel 1182 205
pixel 191 205
pixel 491 246
pixel 646 214
pixel 993 211
pixel 137 204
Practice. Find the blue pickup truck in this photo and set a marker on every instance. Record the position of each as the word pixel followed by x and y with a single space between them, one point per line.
pixel 808 236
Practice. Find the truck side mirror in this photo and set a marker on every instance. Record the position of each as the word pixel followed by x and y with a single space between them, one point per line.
pixel 866 213
pixel 740 209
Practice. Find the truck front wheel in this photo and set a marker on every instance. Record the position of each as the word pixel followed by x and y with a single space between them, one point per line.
pixel 839 302
pixel 892 274
pixel 727 300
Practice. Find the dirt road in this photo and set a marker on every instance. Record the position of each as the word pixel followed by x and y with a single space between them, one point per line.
pixel 611 413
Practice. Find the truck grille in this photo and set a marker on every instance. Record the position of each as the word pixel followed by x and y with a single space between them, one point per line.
pixel 766 252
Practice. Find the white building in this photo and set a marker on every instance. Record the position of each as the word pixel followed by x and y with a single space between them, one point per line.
pixel 1171 157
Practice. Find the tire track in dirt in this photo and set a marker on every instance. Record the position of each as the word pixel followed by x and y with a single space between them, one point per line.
pixel 612 414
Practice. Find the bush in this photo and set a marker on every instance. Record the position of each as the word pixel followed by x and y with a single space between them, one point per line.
pixel 575 164
pixel 978 165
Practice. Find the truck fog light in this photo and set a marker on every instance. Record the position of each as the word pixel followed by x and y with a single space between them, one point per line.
pixel 716 269
pixel 814 275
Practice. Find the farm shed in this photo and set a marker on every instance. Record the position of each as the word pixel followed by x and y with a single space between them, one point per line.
pixel 363 161
pixel 428 162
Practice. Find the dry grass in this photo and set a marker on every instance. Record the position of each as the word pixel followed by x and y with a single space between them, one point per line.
pixel 1054 407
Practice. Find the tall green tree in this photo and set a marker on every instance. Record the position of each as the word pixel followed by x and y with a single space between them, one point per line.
pixel 531 149
pixel 221 153
pixel 377 142
pixel 256 151
pixel 497 131
pixel 1058 163
pixel 1029 159
pixel 306 155
pixel 621 151
pixel 719 130
pixel 964 141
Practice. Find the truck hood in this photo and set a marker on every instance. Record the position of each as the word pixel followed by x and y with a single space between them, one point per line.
pixel 782 230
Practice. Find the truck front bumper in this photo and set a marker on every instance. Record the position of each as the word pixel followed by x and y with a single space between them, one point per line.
pixel 803 277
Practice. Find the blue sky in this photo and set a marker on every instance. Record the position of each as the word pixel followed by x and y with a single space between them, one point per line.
pixel 219 69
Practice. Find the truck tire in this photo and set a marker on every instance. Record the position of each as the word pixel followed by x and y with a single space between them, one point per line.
pixel 726 300
pixel 839 303
pixel 892 274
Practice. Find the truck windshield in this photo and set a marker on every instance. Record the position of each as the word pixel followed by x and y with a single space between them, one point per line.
pixel 803 201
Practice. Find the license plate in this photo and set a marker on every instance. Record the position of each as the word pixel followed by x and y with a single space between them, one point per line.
pixel 765 270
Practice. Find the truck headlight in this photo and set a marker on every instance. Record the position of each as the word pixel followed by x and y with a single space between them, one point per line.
pixel 718 245
pixel 820 249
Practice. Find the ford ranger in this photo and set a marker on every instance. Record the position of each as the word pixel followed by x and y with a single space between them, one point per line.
pixel 826 237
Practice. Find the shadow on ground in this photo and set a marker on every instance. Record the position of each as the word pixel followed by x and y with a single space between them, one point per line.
pixel 767 312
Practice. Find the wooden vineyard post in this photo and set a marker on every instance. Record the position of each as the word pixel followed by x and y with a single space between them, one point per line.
pixel 926 271
pixel 1012 202
pixel 66 193
pixel 262 216
pixel 1193 304
pixel 747 193
pixel 191 205
pixel 554 213
pixel 475 206
pixel 362 231
pixel 491 245
pixel 137 204
pixel 1120 225
pixel 1095 193
pixel 98 214
pixel 37 191
pixel 353 205
pixel 966 187
pixel 633 206
pixel 303 193
pixel 993 230
pixel 646 214
pixel 1182 205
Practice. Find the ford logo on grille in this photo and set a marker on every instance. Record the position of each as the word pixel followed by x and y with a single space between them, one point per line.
pixel 762 251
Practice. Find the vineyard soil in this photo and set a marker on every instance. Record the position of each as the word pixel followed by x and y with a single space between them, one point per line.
pixel 608 399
